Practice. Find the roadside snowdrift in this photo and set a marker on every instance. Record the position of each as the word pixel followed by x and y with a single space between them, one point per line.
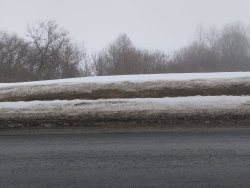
pixel 130 86
pixel 168 112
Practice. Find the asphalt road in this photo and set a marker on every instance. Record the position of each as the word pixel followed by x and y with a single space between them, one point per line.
pixel 184 159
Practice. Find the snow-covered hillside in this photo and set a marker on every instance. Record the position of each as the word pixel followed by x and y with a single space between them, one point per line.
pixel 129 86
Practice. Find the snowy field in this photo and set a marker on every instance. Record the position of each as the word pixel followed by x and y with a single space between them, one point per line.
pixel 129 86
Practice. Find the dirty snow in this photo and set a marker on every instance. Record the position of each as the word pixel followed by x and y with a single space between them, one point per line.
pixel 84 88
pixel 143 104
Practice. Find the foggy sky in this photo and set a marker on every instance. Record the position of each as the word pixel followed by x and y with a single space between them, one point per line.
pixel 152 24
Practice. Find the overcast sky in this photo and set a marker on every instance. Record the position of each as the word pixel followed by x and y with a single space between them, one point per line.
pixel 152 24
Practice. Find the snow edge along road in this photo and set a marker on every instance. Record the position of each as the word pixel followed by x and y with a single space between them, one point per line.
pixel 166 112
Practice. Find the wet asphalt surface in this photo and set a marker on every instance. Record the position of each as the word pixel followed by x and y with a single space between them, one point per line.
pixel 184 159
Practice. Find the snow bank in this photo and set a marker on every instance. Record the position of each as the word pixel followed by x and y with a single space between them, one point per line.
pixel 133 78
pixel 133 86
pixel 179 105
pixel 182 104
pixel 129 112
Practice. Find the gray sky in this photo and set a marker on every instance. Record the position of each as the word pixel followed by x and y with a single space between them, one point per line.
pixel 152 24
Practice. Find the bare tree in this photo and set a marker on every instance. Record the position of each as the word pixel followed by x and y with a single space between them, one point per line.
pixel 225 50
pixel 54 55
pixel 13 58
pixel 122 57
pixel 50 53
pixel 233 47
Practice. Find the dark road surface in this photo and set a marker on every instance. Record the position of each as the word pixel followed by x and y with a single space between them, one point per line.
pixel 187 159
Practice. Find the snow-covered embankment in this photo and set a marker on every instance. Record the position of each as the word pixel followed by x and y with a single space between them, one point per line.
pixel 165 100
pixel 137 86
pixel 168 112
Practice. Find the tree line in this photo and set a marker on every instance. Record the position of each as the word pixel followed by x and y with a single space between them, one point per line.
pixel 48 52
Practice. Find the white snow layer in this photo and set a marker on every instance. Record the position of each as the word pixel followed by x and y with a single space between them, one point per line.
pixel 135 78
pixel 182 104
